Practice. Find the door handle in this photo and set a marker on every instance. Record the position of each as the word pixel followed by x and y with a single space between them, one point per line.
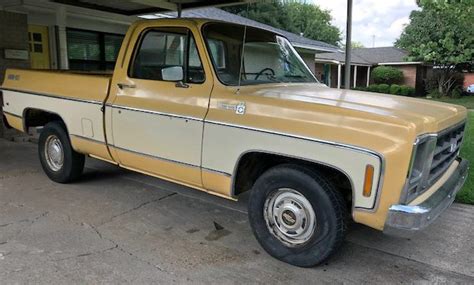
pixel 181 84
pixel 124 85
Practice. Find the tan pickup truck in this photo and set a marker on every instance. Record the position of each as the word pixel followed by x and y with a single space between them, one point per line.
pixel 226 109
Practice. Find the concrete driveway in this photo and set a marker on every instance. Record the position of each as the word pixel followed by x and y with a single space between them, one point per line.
pixel 116 226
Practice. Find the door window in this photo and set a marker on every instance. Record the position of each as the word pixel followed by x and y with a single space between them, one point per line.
pixel 167 47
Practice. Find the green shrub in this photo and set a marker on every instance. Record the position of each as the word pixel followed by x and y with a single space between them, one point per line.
pixel 384 88
pixel 373 88
pixel 456 93
pixel 434 93
pixel 407 90
pixel 387 75
pixel 395 89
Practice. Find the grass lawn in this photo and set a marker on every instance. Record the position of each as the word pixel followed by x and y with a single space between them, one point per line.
pixel 466 195
pixel 466 101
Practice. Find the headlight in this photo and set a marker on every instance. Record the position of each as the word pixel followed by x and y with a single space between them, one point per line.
pixel 419 168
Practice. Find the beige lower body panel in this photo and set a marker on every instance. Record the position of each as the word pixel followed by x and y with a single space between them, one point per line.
pixel 224 145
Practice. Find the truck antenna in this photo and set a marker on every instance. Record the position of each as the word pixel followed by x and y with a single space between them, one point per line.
pixel 242 54
pixel 242 59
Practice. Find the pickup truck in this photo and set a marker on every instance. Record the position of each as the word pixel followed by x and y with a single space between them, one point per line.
pixel 227 109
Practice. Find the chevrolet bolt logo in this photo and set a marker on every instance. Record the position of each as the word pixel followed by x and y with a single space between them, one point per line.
pixel 289 218
pixel 454 146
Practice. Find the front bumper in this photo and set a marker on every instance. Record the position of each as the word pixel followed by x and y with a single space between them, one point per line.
pixel 403 219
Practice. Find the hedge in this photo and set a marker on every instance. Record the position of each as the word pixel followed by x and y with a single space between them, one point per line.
pixel 407 90
pixel 387 75
pixel 383 88
pixel 394 89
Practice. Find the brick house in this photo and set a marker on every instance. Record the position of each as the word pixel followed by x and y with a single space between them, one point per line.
pixel 414 72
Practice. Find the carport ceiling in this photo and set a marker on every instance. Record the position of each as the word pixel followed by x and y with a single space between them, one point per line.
pixel 139 7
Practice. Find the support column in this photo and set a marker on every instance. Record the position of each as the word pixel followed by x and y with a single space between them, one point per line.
pixel 355 76
pixel 368 76
pixel 339 76
pixel 63 61
pixel 347 69
pixel 329 75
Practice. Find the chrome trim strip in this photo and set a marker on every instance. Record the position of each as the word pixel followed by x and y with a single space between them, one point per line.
pixel 216 171
pixel 153 112
pixel 87 138
pixel 170 160
pixel 13 115
pixel 154 156
pixel 52 96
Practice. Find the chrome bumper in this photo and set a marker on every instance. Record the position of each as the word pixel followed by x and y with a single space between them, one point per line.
pixel 404 219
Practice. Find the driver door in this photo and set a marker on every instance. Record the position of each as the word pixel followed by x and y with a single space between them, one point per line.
pixel 160 103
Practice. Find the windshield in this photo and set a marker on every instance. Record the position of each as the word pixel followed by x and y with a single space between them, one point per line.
pixel 268 57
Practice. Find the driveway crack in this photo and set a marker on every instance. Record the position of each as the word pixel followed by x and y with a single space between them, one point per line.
pixel 87 253
pixel 136 208
pixel 31 221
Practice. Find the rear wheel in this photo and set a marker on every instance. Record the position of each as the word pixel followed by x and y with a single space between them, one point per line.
pixel 297 215
pixel 59 160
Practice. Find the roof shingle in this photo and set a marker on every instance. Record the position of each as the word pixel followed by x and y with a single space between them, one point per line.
pixel 221 15
pixel 372 56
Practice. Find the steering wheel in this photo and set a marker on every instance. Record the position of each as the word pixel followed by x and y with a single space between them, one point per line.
pixel 263 70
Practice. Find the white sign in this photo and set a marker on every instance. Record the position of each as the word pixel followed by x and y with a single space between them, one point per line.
pixel 16 54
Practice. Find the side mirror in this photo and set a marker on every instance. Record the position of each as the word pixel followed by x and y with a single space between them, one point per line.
pixel 172 73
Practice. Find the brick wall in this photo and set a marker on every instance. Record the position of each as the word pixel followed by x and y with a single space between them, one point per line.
pixel 409 74
pixel 13 35
pixel 468 80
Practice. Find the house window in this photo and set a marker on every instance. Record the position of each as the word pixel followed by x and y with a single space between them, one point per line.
pixel 92 51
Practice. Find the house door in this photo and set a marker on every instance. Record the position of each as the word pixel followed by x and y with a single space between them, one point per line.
pixel 38 40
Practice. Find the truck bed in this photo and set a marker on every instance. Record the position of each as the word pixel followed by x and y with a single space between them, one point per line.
pixel 72 85
pixel 32 96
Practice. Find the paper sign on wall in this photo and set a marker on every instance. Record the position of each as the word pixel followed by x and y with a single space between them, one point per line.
pixel 16 54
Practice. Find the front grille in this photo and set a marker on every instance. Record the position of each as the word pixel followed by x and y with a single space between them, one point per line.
pixel 446 150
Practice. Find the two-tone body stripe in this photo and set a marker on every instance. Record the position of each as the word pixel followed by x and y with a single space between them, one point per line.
pixel 154 112
pixel 13 115
pixel 153 156
pixel 53 96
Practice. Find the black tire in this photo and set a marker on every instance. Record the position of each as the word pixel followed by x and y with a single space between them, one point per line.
pixel 73 162
pixel 328 206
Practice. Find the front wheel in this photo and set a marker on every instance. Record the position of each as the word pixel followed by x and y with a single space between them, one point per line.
pixel 59 160
pixel 297 215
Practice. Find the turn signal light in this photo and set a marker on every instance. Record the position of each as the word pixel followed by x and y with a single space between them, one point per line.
pixel 368 180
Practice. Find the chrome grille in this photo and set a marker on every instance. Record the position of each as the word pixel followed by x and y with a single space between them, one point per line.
pixel 446 150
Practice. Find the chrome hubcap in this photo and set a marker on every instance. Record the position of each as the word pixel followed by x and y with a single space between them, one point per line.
pixel 54 153
pixel 289 216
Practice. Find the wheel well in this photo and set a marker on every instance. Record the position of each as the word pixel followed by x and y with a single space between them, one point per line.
pixel 39 118
pixel 253 164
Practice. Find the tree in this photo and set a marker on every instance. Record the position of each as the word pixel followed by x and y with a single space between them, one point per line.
pixel 441 34
pixel 294 16
pixel 354 45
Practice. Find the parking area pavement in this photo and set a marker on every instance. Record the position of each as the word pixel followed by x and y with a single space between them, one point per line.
pixel 116 226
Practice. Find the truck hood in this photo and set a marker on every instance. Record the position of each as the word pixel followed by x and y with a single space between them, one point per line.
pixel 421 114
